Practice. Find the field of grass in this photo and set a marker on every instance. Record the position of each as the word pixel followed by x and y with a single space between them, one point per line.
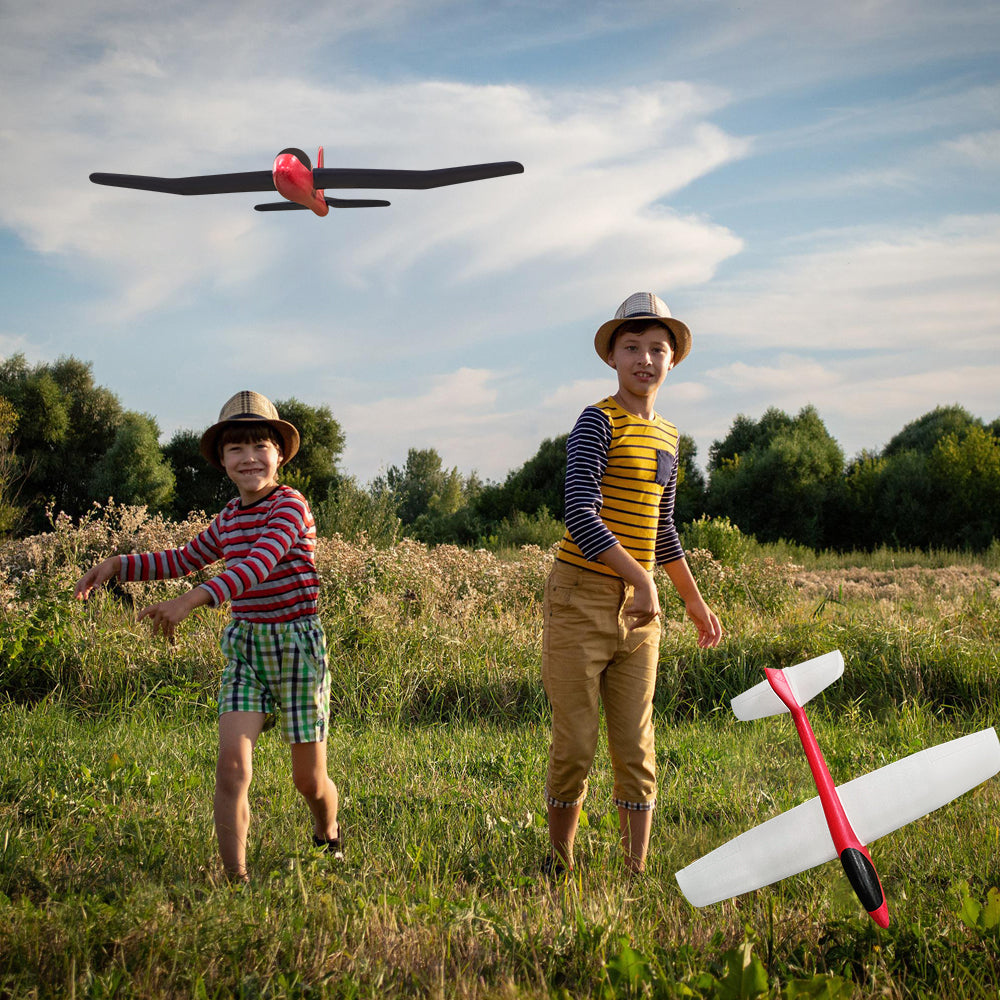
pixel 109 880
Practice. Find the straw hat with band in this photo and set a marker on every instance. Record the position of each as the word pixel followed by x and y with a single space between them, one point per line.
pixel 251 408
pixel 643 305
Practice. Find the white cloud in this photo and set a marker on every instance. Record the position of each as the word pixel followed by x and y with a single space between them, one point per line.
pixel 981 149
pixel 863 401
pixel 455 415
pixel 870 290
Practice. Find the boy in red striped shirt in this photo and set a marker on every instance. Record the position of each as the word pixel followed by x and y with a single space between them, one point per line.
pixel 274 646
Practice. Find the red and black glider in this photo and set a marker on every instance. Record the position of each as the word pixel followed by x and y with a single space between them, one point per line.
pixel 294 178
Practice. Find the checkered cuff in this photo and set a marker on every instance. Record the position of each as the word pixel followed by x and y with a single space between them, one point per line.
pixel 635 806
pixel 559 804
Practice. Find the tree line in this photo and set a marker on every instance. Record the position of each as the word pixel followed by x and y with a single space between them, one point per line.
pixel 66 443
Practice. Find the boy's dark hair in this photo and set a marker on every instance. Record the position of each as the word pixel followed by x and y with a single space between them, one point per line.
pixel 248 432
pixel 637 326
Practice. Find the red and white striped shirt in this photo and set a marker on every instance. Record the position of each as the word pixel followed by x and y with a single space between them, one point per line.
pixel 269 549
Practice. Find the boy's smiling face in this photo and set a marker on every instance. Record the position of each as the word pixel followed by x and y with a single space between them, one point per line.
pixel 253 467
pixel 642 359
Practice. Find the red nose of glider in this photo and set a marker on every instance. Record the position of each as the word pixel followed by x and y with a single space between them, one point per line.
pixel 294 181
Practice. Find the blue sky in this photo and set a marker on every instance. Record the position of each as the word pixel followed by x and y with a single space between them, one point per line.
pixel 811 187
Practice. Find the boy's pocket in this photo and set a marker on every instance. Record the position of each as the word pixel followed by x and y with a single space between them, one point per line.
pixel 664 466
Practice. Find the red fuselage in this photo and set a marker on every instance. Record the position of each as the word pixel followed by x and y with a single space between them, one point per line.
pixel 294 180
pixel 853 854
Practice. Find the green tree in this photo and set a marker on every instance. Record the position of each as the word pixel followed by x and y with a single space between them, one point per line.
pixel 747 435
pixel 433 503
pixel 922 435
pixel 66 424
pixel 11 513
pixel 780 485
pixel 198 486
pixel 929 488
pixel 354 512
pixel 314 468
pixel 537 484
pixel 417 483
pixel 133 470
pixel 965 476
pixel 689 502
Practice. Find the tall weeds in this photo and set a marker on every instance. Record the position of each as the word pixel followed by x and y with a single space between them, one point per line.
pixel 109 881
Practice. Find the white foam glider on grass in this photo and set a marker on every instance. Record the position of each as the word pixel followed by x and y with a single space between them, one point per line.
pixel 843 819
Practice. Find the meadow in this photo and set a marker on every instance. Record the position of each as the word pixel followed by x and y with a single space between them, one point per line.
pixel 109 881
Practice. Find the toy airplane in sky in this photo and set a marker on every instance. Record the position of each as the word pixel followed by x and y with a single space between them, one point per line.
pixel 843 819
pixel 294 178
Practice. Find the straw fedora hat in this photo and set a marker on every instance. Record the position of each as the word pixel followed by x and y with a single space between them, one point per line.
pixel 643 305
pixel 249 407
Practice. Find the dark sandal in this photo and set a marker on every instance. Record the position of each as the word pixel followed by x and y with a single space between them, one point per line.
pixel 332 845
pixel 554 867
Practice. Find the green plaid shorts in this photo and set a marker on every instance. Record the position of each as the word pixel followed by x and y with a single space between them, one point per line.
pixel 271 665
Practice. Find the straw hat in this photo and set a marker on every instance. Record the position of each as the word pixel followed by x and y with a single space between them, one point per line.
pixel 643 305
pixel 249 407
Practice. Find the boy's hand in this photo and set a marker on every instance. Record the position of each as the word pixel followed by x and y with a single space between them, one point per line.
pixel 167 615
pixel 645 603
pixel 97 577
pixel 709 629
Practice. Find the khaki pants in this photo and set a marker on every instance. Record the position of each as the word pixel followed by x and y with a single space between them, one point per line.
pixel 589 655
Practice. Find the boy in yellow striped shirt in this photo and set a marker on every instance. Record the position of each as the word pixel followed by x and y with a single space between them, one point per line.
pixel 602 629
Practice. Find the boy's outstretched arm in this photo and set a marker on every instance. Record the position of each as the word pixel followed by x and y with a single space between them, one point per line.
pixel 167 615
pixel 96 577
pixel 704 618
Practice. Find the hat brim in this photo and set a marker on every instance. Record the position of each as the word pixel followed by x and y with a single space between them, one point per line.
pixel 287 432
pixel 682 335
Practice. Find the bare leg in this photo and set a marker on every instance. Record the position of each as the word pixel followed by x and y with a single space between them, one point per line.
pixel 238 732
pixel 563 821
pixel 315 786
pixel 634 825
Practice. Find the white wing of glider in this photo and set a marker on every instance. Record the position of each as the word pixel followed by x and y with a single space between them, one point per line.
pixel 806 680
pixel 876 804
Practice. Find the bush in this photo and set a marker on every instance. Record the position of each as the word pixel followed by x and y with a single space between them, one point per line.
pixel 520 529
pixel 720 537
pixel 358 514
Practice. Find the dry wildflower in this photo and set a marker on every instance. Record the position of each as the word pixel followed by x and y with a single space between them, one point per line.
pixel 62 555
pixel 905 583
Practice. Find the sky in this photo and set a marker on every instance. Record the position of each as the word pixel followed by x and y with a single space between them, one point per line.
pixel 811 187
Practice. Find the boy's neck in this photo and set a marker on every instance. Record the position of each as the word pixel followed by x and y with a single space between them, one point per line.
pixel 638 406
pixel 249 499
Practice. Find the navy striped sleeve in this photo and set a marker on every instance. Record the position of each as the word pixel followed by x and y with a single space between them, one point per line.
pixel 668 543
pixel 586 460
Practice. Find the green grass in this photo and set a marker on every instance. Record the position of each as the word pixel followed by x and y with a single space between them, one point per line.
pixel 110 884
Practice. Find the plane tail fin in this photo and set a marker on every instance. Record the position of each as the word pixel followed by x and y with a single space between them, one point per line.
pixel 806 680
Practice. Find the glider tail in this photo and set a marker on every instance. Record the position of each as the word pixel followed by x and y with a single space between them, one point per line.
pixel 806 680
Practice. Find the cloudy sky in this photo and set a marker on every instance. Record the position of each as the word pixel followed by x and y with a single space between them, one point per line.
pixel 811 187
